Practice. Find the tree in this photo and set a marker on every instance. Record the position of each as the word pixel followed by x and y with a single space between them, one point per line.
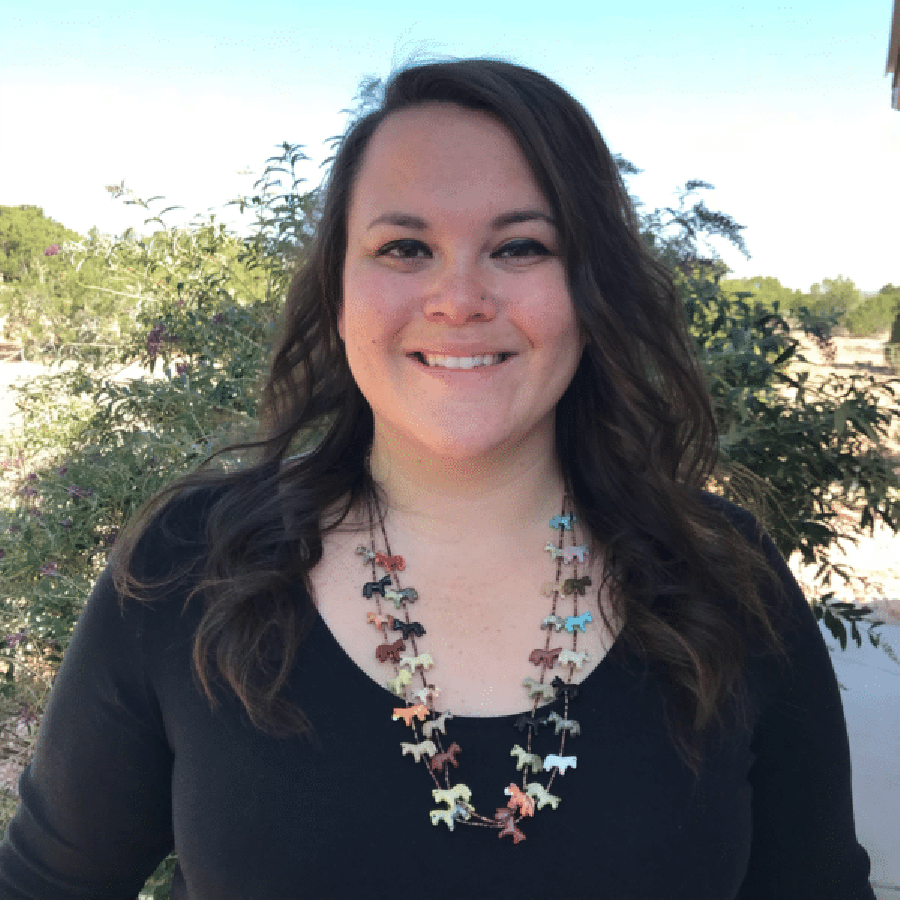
pixel 794 451
pixel 25 234
pixel 766 290
pixel 681 236
pixel 874 314
pixel 835 296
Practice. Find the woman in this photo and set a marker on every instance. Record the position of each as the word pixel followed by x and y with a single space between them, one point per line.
pixel 488 635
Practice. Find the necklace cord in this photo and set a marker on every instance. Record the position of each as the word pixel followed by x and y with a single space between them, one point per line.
pixel 429 750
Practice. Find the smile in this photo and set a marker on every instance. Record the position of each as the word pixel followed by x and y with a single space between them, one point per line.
pixel 460 362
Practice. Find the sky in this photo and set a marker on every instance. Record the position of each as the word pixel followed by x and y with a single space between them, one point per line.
pixel 784 108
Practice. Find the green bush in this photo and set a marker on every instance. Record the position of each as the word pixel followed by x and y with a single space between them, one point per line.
pixel 27 240
pixel 894 337
pixel 875 314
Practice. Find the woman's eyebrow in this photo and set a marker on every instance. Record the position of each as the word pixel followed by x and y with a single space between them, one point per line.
pixel 521 215
pixel 401 220
pixel 514 217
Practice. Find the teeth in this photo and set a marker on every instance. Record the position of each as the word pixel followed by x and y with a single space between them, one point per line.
pixel 462 362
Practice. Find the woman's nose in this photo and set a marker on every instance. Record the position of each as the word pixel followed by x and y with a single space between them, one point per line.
pixel 459 298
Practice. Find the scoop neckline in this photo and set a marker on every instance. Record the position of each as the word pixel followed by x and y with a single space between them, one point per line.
pixel 458 718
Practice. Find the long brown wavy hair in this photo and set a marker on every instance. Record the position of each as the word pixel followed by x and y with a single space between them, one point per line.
pixel 635 436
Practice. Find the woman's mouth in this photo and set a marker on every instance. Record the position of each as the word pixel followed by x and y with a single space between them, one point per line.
pixel 435 361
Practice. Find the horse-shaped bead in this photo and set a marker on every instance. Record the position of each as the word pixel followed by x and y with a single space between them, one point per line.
pixel 376 587
pixel 519 800
pixel 427 694
pixel 413 662
pixel 534 688
pixel 507 818
pixel 376 619
pixel 568 554
pixel 555 622
pixel 367 554
pixel 390 563
pixel 408 713
pixel 452 795
pixel 384 652
pixel 571 658
pixel 417 750
pixel 576 585
pixel 569 691
pixel 554 761
pixel 438 724
pixel 568 725
pixel 563 522
pixel 546 658
pixel 440 761
pixel 573 622
pixel 397 685
pixel 524 758
pixel 541 795
pixel 407 628
pixel 397 597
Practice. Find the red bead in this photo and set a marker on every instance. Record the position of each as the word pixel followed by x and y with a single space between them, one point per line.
pixel 390 563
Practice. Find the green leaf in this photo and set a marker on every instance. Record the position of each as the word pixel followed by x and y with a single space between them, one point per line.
pixel 840 418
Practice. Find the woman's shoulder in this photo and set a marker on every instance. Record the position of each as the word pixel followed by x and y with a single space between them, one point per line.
pixel 180 523
pixel 173 534
pixel 740 518
pixel 183 515
pixel 785 601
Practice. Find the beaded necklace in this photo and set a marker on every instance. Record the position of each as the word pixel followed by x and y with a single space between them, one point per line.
pixel 419 708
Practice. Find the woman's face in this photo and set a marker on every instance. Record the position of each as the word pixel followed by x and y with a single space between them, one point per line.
pixel 453 260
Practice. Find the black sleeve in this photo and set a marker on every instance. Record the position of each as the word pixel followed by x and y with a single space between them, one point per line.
pixel 804 837
pixel 95 818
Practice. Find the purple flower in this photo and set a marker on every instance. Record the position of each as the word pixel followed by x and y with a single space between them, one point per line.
pixel 52 250
pixel 2 553
pixel 110 539
pixel 67 524
pixel 15 639
pixel 181 368
pixel 49 568
pixel 156 336
pixel 76 491
pixel 218 318
pixel 32 476
pixel 63 471
pixel 27 715
pixel 14 529
pixel 28 491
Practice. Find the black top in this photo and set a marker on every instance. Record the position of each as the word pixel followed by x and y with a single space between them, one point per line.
pixel 131 762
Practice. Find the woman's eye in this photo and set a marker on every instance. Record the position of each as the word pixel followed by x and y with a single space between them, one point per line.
pixel 521 249
pixel 405 249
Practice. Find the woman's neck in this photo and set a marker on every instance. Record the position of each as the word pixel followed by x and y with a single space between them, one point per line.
pixel 457 502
